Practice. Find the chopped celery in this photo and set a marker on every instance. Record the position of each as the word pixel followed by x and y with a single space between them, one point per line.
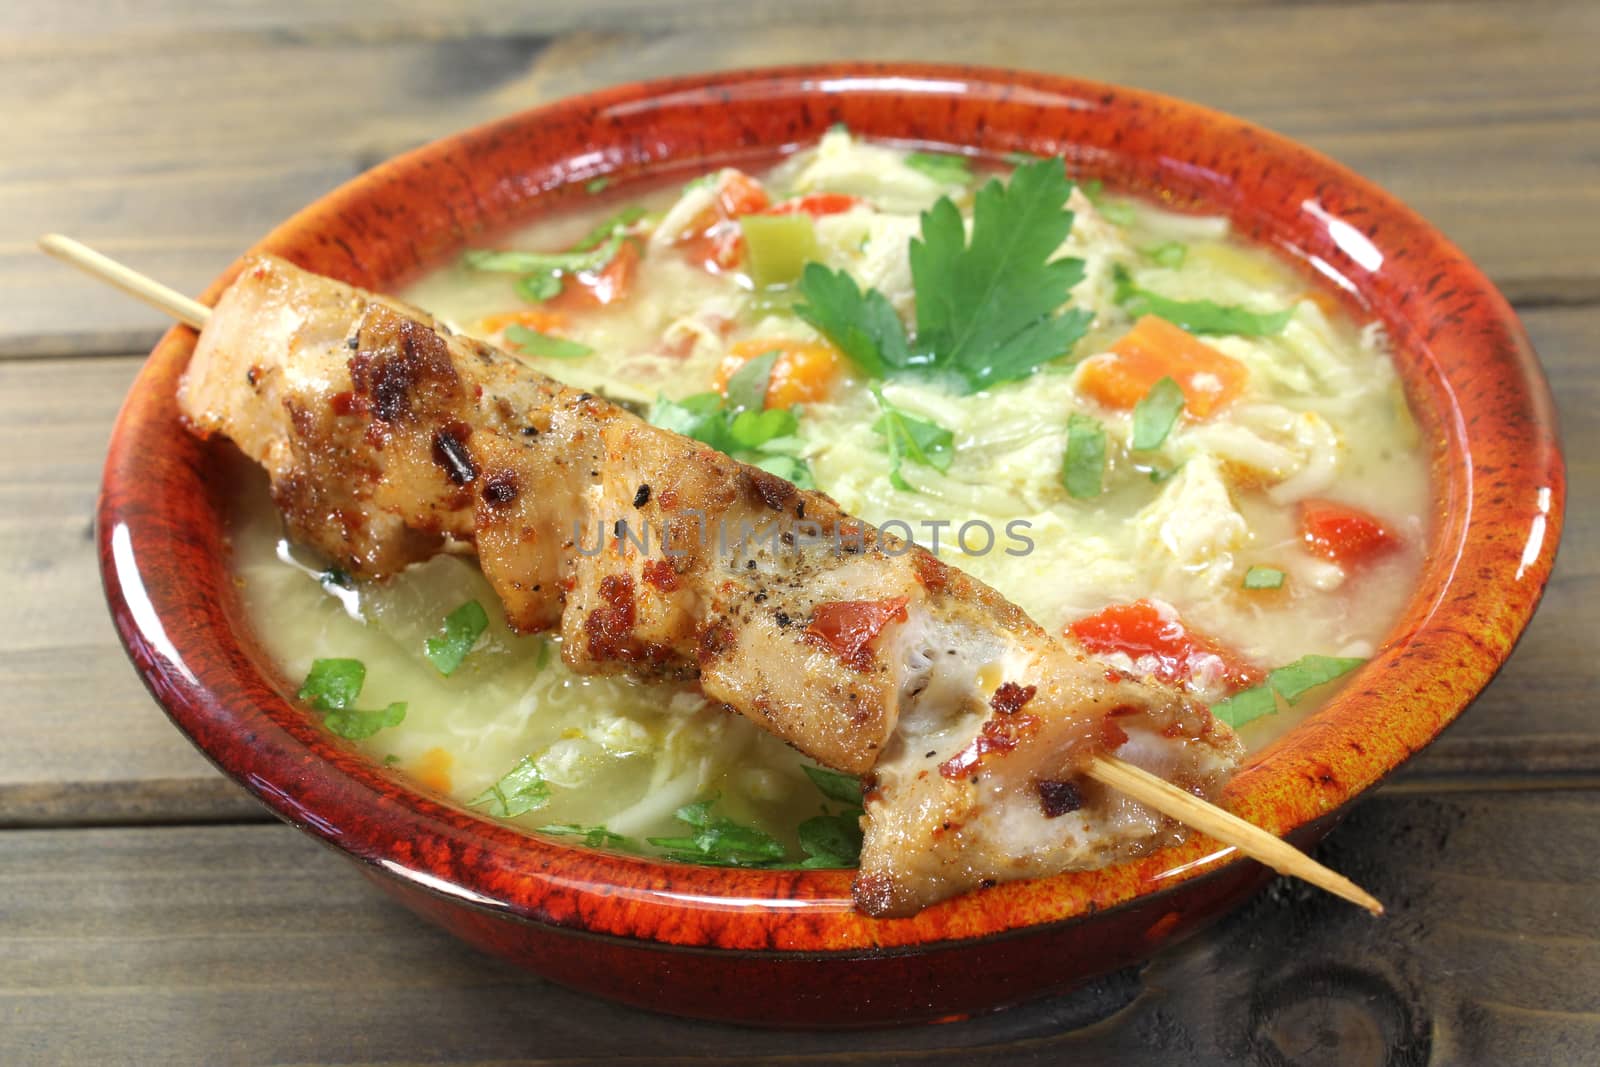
pixel 779 246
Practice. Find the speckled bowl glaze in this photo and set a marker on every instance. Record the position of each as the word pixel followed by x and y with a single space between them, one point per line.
pixel 785 947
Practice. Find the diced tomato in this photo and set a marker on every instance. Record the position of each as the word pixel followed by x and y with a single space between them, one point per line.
pixel 1342 534
pixel 598 288
pixel 1158 642
pixel 804 372
pixel 847 627
pixel 815 204
pixel 713 239
pixel 1155 349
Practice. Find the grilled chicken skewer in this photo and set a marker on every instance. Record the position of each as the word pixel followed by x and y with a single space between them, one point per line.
pixel 984 741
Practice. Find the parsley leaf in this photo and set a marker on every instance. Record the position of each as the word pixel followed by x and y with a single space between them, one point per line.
pixel 535 288
pixel 461 630
pixel 1197 316
pixel 333 684
pixel 908 437
pixel 831 840
pixel 987 310
pixel 1083 468
pixel 718 840
pixel 942 167
pixel 582 259
pixel 1116 212
pixel 542 344
pixel 354 724
pixel 1259 577
pixel 835 785
pixel 593 836
pixel 864 326
pixel 1155 414
pixel 1291 682
pixel 738 425
pixel 523 789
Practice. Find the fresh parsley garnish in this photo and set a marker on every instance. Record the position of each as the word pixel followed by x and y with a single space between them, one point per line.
pixel 988 309
pixel 523 789
pixel 536 288
pixel 542 271
pixel 1083 468
pixel 1197 316
pixel 355 724
pixel 333 684
pixel 595 186
pixel 942 167
pixel 1259 577
pixel 460 631
pixel 535 343
pixel 833 839
pixel 1291 682
pixel 593 836
pixel 835 785
pixel 718 840
pixel 1116 212
pixel 738 425
pixel 1155 414
pixel 908 437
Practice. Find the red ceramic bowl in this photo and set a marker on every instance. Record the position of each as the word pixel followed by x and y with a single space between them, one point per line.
pixel 785 947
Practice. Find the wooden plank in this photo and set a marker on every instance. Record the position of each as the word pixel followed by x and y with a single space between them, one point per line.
pixel 178 149
pixel 85 743
pixel 252 945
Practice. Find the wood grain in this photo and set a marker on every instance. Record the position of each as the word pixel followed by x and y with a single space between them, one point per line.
pixel 175 136
pixel 252 945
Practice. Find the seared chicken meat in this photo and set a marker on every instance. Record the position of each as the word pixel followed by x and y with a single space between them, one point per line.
pixel 386 435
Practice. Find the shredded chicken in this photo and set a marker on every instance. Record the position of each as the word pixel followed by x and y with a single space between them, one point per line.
pixel 385 435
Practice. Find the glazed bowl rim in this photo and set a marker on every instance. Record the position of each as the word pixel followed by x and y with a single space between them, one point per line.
pixel 216 686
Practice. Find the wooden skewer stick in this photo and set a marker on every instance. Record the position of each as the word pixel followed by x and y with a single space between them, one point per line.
pixel 190 312
pixel 1141 785
pixel 1248 838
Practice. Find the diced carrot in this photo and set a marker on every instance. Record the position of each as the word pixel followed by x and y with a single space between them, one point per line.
pixel 1159 643
pixel 1155 349
pixel 847 627
pixel 1342 534
pixel 804 372
pixel 713 238
pixel 433 769
pixel 598 288
pixel 539 320
pixel 815 204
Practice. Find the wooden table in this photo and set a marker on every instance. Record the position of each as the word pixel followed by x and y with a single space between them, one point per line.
pixel 149 913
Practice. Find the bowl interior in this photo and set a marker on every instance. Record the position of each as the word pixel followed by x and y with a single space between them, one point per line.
pixel 1473 382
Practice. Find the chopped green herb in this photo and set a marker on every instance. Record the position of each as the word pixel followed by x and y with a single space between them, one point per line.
pixel 1169 254
pixel 1116 212
pixel 839 127
pixel 1259 577
pixel 593 836
pixel 831 841
pixel 1291 682
pixel 610 229
pixel 747 387
pixel 1197 316
pixel 789 468
pixel 582 259
pixel 355 725
pixel 333 684
pixel 1247 706
pixel 1306 673
pixel 718 840
pixel 542 659
pixel 1156 413
pixel 535 288
pixel 597 185
pixel 987 309
pixel 522 790
pixel 461 630
pixel 535 343
pixel 391 760
pixel 835 785
pixel 908 437
pixel 778 246
pixel 1083 469
pixel 942 167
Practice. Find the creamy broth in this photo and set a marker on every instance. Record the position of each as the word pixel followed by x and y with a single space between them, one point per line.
pixel 1320 415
